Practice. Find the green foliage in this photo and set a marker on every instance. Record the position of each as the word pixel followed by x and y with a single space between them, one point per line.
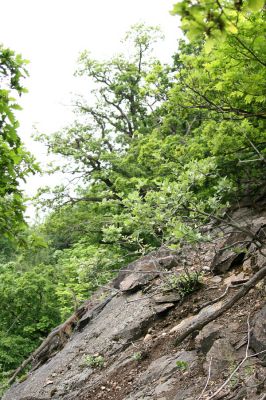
pixel 94 361
pixel 182 365
pixel 137 356
pixel 15 162
pixel 184 284
pixel 28 310
pixel 214 18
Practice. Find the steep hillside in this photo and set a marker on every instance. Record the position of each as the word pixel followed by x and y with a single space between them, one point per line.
pixel 158 331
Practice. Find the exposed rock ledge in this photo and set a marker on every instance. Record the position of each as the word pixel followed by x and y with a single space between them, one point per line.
pixel 134 332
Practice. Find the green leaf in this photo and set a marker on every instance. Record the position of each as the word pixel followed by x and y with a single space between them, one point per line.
pixel 256 5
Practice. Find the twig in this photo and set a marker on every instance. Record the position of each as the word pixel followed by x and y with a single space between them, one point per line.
pixel 209 303
pixel 233 285
pixel 60 332
pixel 207 382
pixel 248 324
pixel 248 161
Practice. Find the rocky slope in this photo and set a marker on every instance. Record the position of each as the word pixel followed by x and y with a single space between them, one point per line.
pixel 124 347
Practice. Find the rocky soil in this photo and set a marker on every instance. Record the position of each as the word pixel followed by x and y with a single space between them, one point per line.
pixel 128 350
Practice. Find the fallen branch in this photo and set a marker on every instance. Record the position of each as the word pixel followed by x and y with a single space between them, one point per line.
pixel 57 335
pixel 198 325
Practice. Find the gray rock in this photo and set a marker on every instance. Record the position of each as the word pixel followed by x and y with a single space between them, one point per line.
pixel 166 366
pixel 127 321
pixel 184 394
pixel 225 259
pixel 161 308
pixel 216 279
pixel 207 336
pixel 160 377
pixel 167 298
pixel 164 387
pixel 131 278
pixel 223 356
pixel 258 334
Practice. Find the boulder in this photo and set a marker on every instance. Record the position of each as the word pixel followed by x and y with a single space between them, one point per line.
pixel 209 334
pixel 226 257
pixel 141 272
pixel 258 334
pixel 223 356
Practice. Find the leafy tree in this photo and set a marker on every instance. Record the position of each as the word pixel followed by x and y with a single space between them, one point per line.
pixel 214 18
pixel 222 84
pixel 127 92
pixel 15 162
pixel 143 169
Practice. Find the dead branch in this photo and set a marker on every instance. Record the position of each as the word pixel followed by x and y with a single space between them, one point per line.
pixel 58 332
pixel 233 285
pixel 209 303
pixel 198 325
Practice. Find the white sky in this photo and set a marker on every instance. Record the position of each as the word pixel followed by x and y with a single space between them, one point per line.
pixel 51 33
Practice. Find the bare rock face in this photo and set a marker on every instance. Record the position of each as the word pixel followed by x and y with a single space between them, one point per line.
pixel 141 272
pixel 117 324
pixel 164 371
pixel 167 298
pixel 144 270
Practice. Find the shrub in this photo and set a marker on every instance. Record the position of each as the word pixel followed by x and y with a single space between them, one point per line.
pixel 185 283
pixel 94 361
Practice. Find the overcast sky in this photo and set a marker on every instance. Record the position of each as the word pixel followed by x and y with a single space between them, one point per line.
pixel 51 34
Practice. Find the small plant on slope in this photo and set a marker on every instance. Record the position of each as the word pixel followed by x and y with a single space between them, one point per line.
pixel 185 283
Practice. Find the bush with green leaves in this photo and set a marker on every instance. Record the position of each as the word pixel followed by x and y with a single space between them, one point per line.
pixel 94 361
pixel 182 365
pixel 137 356
pixel 185 283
